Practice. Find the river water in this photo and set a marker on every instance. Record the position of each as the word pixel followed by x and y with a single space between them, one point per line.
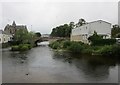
pixel 44 65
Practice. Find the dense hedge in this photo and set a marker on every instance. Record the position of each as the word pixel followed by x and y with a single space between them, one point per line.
pixel 103 42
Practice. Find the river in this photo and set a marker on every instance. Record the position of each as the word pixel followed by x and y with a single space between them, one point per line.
pixel 44 65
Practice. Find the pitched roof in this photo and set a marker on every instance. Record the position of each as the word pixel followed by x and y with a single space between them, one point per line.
pixel 3 32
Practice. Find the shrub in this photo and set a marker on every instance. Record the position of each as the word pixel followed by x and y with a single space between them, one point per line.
pixel 87 51
pixel 75 47
pixel 116 50
pixel 66 44
pixel 103 42
pixel 55 45
pixel 23 48
pixel 15 48
pixel 105 50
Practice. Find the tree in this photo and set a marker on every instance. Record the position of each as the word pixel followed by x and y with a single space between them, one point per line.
pixel 115 30
pixel 61 31
pixel 38 34
pixel 118 35
pixel 23 37
pixel 95 36
pixel 81 22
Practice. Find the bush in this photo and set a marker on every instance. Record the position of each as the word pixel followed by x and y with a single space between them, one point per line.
pixel 21 47
pixel 66 44
pixel 87 51
pixel 54 45
pixel 104 42
pixel 75 47
pixel 15 48
pixel 105 50
pixel 116 50
pixel 108 50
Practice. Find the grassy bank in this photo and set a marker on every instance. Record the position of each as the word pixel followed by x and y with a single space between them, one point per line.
pixel 81 48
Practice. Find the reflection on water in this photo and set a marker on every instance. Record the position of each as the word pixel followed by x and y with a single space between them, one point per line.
pixel 93 67
pixel 43 65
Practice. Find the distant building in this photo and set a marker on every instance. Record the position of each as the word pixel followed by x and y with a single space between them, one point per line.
pixel 5 37
pixel 82 33
pixel 11 29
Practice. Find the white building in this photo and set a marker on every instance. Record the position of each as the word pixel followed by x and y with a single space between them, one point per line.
pixel 4 37
pixel 82 33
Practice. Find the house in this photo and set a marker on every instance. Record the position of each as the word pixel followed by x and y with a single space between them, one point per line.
pixel 11 29
pixel 5 37
pixel 83 32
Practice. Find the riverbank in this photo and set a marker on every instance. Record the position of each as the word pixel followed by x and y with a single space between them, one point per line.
pixel 81 48
pixel 36 66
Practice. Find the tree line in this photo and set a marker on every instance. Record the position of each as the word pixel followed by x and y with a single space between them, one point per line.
pixel 65 30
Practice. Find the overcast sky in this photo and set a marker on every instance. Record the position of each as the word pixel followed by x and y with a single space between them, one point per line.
pixel 43 16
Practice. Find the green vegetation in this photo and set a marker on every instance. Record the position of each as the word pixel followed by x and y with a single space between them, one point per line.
pixel 24 37
pixel 24 40
pixel 65 30
pixel 79 47
pixel 115 32
pixel 21 47
pixel 61 31
pixel 38 34
pixel 96 39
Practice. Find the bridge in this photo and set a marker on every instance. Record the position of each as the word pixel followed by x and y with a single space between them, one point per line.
pixel 50 39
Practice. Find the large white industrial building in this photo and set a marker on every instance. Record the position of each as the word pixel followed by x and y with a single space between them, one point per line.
pixel 82 33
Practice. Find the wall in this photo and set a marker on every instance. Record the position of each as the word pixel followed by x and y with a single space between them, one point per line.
pixel 82 33
pixel 5 38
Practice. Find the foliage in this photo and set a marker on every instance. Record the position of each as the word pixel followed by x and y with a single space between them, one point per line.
pixel 79 47
pixel 96 39
pixel 104 42
pixel 23 37
pixel 66 44
pixel 118 35
pixel 80 22
pixel 21 47
pixel 38 34
pixel 109 50
pixel 95 36
pixel 115 30
pixel 75 47
pixel 61 31
pixel 65 30
pixel 15 48
pixel 5 45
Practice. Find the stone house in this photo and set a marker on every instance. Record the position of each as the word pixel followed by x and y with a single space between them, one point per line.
pixel 11 29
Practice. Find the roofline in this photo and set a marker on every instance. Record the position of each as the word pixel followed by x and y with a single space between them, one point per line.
pixel 93 22
pixel 99 20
